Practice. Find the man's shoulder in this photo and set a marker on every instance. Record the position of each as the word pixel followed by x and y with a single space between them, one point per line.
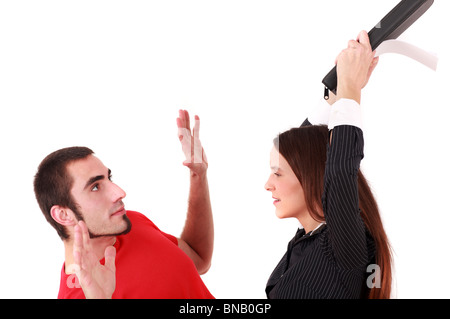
pixel 141 222
pixel 138 217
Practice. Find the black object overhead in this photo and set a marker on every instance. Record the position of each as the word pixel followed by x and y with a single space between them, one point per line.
pixel 390 27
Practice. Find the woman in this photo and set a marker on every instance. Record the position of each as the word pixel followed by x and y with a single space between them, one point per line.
pixel 316 179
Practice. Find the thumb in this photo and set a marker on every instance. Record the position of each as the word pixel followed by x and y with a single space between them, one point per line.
pixel 363 38
pixel 110 258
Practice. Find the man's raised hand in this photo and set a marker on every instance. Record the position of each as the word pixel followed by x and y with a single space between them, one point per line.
pixel 97 281
pixel 190 143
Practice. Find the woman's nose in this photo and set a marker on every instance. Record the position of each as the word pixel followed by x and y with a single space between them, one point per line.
pixel 268 186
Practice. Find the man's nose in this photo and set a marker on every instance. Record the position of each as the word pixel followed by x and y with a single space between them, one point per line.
pixel 118 193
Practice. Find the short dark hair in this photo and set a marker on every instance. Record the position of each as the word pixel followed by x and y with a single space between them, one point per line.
pixel 52 183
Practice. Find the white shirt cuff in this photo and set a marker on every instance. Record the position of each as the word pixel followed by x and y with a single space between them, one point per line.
pixel 320 114
pixel 345 112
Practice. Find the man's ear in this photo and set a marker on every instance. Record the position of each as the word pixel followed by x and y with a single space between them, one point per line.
pixel 63 215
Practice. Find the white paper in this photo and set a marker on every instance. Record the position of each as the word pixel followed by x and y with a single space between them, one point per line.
pixel 400 47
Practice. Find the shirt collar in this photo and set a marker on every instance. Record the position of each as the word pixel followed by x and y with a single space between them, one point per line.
pixel 318 228
pixel 301 231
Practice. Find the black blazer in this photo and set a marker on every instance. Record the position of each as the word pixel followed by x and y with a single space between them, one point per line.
pixel 332 261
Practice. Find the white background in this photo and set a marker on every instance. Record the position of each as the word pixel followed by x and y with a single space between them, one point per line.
pixel 111 75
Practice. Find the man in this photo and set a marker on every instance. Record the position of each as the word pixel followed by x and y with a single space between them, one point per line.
pixel 124 248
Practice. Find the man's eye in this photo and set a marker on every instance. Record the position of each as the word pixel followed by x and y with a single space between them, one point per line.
pixel 110 177
pixel 95 188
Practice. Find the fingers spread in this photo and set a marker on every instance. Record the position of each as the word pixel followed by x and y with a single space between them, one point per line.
pixel 190 141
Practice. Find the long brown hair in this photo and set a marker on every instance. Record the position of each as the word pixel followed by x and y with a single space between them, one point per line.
pixel 305 149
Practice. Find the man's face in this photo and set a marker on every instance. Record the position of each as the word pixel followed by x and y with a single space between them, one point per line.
pixel 98 198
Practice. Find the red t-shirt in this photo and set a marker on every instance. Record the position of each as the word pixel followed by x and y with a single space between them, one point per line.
pixel 149 264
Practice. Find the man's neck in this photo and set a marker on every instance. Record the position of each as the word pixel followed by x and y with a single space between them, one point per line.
pixel 99 245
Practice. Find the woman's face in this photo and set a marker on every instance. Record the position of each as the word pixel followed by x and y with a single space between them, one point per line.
pixel 287 192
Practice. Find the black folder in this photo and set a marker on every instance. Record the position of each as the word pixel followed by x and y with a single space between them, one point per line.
pixel 390 27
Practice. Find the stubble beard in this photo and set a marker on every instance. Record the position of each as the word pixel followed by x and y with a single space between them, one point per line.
pixel 127 229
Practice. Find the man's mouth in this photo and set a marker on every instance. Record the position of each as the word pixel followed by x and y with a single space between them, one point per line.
pixel 121 211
